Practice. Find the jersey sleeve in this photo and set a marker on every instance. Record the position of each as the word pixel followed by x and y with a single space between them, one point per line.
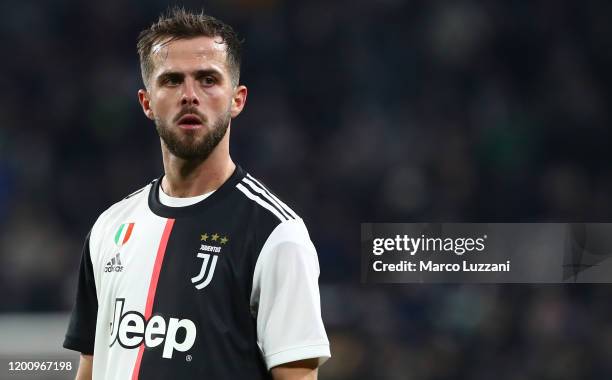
pixel 82 328
pixel 285 298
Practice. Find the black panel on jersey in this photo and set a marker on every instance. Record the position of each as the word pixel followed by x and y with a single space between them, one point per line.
pixel 82 329
pixel 226 340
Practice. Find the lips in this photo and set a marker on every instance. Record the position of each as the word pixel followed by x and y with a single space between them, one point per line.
pixel 190 121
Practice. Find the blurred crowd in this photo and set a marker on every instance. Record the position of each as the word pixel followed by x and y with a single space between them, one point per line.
pixel 358 111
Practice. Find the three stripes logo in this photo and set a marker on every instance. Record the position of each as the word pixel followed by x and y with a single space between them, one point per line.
pixel 121 237
pixel 114 265
pixel 256 192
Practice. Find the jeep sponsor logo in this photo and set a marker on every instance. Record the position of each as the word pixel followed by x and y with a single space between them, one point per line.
pixel 130 330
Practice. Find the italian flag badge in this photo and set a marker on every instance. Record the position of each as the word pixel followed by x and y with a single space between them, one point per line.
pixel 123 234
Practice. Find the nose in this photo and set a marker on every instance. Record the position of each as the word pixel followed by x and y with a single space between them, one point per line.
pixel 189 96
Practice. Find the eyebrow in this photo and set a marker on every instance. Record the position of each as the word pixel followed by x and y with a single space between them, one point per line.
pixel 196 74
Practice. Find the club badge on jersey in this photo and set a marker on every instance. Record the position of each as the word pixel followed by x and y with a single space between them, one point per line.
pixel 209 251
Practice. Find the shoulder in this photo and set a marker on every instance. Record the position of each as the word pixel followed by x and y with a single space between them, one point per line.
pixel 260 197
pixel 130 201
pixel 290 232
pixel 272 221
pixel 116 212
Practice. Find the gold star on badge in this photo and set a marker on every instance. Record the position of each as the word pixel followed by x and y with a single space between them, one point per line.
pixel 215 237
pixel 204 237
pixel 224 240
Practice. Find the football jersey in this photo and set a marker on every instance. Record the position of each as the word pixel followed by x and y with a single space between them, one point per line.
pixel 225 288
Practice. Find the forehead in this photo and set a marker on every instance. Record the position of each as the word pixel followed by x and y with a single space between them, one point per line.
pixel 189 54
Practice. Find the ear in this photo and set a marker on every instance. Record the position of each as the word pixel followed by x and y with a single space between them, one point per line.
pixel 145 103
pixel 239 100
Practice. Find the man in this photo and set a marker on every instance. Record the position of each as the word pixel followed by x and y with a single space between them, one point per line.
pixel 204 273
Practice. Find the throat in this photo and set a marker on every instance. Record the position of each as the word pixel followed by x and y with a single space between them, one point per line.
pixel 192 179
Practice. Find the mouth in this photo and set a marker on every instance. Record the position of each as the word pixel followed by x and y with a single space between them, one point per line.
pixel 190 121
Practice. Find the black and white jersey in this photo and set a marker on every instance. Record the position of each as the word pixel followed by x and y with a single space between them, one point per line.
pixel 225 288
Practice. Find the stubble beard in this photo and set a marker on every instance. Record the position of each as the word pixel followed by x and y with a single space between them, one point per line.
pixel 189 146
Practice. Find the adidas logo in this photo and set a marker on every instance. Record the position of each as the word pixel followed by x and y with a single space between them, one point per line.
pixel 114 265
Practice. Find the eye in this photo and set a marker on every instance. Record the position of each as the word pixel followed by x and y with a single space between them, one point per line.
pixel 170 80
pixel 208 80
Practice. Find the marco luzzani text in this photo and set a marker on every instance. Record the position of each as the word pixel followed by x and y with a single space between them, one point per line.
pixel 403 244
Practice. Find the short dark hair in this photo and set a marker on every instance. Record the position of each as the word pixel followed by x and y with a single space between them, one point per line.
pixel 178 23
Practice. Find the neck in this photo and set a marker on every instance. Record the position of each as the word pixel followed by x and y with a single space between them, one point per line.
pixel 190 178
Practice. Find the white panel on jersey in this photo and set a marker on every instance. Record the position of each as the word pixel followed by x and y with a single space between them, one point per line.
pixel 137 258
pixel 285 297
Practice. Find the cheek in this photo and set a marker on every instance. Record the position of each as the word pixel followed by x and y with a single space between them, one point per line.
pixel 214 93
pixel 161 105
pixel 219 99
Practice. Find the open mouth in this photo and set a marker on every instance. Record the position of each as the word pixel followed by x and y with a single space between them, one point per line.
pixel 190 121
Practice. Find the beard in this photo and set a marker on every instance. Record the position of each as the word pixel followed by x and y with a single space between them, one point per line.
pixel 188 145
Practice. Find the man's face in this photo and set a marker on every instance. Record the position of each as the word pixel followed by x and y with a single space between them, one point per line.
pixel 191 96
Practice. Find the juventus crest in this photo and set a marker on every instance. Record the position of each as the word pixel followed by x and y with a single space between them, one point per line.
pixel 199 280
pixel 210 255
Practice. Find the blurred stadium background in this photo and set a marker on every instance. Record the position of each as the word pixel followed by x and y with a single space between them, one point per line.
pixel 358 111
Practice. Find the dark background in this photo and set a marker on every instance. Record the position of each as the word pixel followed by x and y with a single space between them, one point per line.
pixel 358 111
